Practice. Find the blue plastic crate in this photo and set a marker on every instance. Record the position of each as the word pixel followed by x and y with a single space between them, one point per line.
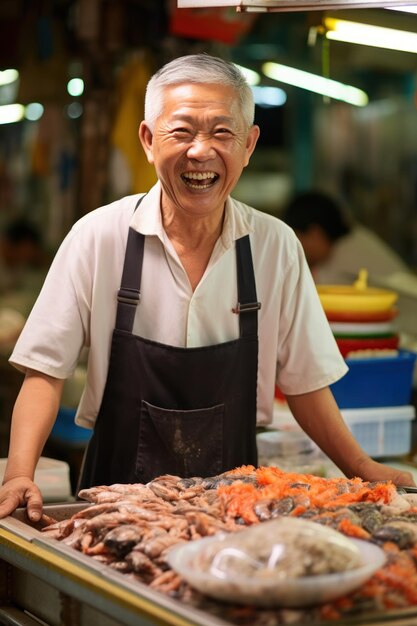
pixel 66 430
pixel 376 382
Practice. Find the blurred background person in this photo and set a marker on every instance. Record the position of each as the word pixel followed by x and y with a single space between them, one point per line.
pixel 21 254
pixel 23 266
pixel 336 247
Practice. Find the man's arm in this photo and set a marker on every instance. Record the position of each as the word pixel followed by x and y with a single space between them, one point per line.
pixel 34 413
pixel 319 416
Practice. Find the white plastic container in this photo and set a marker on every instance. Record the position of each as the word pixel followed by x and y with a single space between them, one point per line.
pixel 284 443
pixel 52 477
pixel 291 451
pixel 382 431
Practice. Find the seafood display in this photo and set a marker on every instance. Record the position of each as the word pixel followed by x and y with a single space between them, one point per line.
pixel 285 562
pixel 132 528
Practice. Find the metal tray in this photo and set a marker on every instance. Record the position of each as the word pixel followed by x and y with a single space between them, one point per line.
pixel 173 611
pixel 23 553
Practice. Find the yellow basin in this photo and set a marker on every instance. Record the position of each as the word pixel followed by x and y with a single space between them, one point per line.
pixel 356 297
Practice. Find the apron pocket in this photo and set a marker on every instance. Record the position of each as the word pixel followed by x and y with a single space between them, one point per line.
pixel 183 443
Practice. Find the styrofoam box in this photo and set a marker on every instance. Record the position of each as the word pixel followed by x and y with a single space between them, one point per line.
pixel 51 476
pixel 382 431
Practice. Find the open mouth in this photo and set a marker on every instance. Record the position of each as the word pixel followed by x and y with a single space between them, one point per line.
pixel 199 180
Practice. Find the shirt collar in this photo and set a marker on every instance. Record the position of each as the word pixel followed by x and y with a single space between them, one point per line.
pixel 147 218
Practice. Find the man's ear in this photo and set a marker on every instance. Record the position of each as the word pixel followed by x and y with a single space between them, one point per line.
pixel 251 140
pixel 146 139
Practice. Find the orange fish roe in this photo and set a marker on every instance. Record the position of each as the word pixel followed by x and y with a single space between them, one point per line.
pixel 329 612
pixel 400 574
pixel 390 547
pixel 379 493
pixel 240 502
pixel 299 510
pixel 352 530
pixel 268 475
pixel 344 603
pixel 307 490
pixel 243 470
pixel 392 587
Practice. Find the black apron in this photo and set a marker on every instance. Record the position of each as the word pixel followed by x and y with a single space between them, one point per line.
pixel 172 410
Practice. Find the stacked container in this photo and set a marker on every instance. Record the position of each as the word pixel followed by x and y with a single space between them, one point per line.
pixel 375 395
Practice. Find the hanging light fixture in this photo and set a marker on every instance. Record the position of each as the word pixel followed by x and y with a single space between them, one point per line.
pixel 315 83
pixel 272 6
pixel 370 35
pixel 10 113
pixel 8 76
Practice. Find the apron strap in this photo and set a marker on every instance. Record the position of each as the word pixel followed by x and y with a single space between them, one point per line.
pixel 248 306
pixel 128 295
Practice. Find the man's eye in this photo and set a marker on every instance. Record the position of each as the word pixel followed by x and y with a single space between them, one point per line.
pixel 181 131
pixel 223 131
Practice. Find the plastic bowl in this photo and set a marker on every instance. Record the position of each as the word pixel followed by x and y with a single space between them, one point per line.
pixel 348 299
pixel 362 329
pixel 362 316
pixel 270 591
pixel 346 345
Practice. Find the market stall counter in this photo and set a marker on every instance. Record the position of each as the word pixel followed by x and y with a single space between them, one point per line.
pixel 106 560
pixel 50 583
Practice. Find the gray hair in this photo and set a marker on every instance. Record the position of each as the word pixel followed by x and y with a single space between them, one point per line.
pixel 197 68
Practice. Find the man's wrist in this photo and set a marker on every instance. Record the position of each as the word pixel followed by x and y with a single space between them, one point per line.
pixel 13 476
pixel 363 467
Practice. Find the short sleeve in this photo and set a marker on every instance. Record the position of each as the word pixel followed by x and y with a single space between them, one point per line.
pixel 58 325
pixel 308 355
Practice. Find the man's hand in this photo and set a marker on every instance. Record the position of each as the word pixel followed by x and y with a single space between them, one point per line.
pixel 21 491
pixel 374 472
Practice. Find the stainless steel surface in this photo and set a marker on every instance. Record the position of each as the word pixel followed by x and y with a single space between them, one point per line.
pixel 20 524
pixel 406 489
pixel 11 616
pixel 46 568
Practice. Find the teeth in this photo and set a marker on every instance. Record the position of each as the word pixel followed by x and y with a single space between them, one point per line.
pixel 190 185
pixel 199 175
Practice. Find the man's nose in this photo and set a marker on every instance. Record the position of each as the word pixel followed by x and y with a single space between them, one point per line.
pixel 201 148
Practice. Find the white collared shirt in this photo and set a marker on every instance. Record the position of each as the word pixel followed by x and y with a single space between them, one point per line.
pixel 77 304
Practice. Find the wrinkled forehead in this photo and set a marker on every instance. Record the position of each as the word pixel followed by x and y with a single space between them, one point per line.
pixel 192 101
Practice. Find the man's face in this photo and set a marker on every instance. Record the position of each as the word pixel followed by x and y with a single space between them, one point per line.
pixel 199 146
pixel 316 244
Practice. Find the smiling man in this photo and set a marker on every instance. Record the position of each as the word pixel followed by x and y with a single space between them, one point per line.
pixel 193 306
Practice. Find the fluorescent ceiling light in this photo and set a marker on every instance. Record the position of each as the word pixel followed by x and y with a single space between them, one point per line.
pixel 74 110
pixel 369 35
pixel 404 8
pixel 34 111
pixel 253 78
pixel 265 96
pixel 317 84
pixel 8 76
pixel 10 113
pixel 75 87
